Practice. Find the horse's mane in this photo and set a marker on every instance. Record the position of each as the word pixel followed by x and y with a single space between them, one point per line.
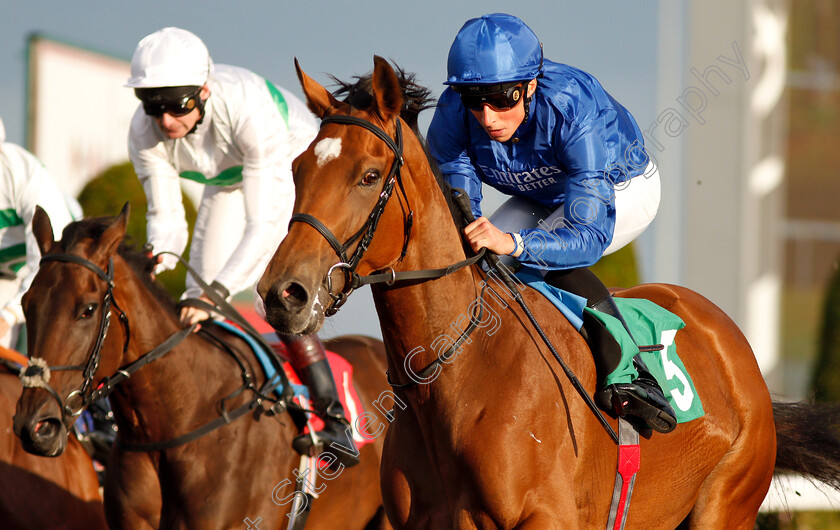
pixel 416 98
pixel 142 264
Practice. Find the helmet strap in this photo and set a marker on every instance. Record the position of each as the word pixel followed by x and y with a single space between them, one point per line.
pixel 200 106
pixel 528 96
pixel 527 102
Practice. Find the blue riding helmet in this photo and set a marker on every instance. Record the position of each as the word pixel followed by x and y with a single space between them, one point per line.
pixel 492 49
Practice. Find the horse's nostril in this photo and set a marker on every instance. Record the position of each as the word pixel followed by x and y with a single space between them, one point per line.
pixel 295 292
pixel 46 429
pixel 293 297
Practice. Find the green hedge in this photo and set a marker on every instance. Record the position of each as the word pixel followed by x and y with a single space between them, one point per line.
pixel 826 380
pixel 107 193
pixel 619 269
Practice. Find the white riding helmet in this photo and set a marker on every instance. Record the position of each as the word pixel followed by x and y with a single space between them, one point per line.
pixel 170 57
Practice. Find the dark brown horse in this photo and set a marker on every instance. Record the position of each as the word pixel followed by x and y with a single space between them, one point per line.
pixel 40 492
pixel 494 435
pixel 243 473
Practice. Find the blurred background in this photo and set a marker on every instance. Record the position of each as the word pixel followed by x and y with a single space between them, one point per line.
pixel 739 103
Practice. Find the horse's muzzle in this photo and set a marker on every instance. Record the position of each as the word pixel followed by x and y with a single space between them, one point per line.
pixel 41 433
pixel 291 309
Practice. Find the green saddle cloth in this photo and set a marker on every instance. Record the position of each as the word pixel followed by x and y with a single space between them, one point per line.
pixel 651 324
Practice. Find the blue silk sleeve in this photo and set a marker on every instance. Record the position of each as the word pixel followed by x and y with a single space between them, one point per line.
pixel 579 238
pixel 448 140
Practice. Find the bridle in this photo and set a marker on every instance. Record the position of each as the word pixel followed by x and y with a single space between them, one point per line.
pixel 352 279
pixel 365 233
pixel 36 370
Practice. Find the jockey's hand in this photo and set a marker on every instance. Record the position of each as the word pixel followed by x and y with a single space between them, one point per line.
pixel 193 315
pixel 4 327
pixel 482 234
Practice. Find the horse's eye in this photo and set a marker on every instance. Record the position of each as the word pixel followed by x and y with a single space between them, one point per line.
pixel 370 178
pixel 88 311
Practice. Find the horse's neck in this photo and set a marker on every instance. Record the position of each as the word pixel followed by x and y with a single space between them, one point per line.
pixel 157 389
pixel 416 318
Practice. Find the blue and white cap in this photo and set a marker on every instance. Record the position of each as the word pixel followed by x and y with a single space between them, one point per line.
pixel 495 48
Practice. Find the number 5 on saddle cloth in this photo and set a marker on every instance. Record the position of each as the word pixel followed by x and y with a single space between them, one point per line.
pixel 649 324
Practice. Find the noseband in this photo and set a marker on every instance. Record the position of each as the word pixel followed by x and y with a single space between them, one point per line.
pixel 37 373
pixel 365 233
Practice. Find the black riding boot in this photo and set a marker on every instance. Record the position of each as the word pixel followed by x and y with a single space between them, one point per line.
pixel 324 398
pixel 642 398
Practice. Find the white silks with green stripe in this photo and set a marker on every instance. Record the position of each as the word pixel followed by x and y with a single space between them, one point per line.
pixel 233 175
pixel 242 152
pixel 650 324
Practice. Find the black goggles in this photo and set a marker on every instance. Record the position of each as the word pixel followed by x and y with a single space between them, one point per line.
pixel 505 98
pixel 175 107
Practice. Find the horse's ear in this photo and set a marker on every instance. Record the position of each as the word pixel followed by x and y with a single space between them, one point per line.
pixel 319 99
pixel 387 91
pixel 42 230
pixel 115 233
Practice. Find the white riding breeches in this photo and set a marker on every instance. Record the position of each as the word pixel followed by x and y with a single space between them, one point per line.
pixel 636 204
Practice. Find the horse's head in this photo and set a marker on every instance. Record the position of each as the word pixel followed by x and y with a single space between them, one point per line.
pixel 68 308
pixel 351 212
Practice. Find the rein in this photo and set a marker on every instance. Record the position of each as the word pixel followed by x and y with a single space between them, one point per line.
pixel 353 279
pixel 222 307
pixel 443 357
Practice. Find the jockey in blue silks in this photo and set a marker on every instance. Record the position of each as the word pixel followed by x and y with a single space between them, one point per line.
pixel 574 162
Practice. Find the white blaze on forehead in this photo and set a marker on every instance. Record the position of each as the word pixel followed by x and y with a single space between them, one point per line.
pixel 327 149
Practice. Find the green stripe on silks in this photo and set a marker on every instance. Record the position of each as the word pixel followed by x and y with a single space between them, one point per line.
pixel 651 324
pixel 231 175
pixel 12 253
pixel 9 217
pixel 12 259
pixel 280 101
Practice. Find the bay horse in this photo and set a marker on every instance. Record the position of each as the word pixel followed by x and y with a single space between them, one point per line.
pixel 493 434
pixel 41 492
pixel 241 474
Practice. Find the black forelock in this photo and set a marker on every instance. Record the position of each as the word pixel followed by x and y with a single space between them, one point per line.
pixel 416 98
